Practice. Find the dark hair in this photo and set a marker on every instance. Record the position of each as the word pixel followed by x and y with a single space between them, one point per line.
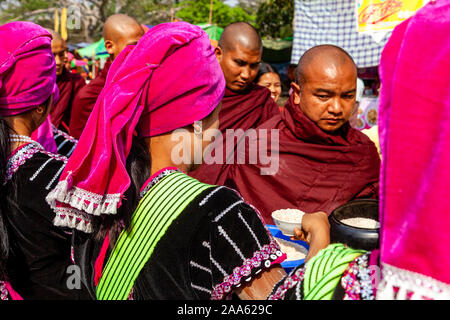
pixel 263 69
pixel 138 167
pixel 5 146
pixel 6 197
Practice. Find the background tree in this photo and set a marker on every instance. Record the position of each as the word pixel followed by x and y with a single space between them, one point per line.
pixel 197 12
pixel 274 18
pixel 250 6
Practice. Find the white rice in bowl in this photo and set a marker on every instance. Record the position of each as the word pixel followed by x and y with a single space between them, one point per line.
pixel 289 215
pixel 365 223
pixel 293 251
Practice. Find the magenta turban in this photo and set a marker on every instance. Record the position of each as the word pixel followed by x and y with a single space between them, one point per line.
pixel 27 67
pixel 169 80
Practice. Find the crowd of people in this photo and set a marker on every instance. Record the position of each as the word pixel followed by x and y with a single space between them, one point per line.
pixel 91 176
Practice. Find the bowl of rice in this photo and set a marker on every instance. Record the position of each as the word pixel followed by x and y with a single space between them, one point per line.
pixel 287 220
pixel 356 224
pixel 296 250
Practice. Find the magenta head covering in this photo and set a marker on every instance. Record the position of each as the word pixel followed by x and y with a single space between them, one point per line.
pixel 170 79
pixel 27 67
pixel 415 173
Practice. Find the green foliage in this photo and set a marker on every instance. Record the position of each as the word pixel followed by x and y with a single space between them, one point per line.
pixel 274 19
pixel 197 12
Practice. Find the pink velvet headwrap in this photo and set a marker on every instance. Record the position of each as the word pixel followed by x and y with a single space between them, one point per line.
pixel 169 80
pixel 27 74
pixel 27 67
pixel 414 127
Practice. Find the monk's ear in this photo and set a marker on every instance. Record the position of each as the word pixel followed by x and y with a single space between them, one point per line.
pixel 109 45
pixel 296 91
pixel 219 53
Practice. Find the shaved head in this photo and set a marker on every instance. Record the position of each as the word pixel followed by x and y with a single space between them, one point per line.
pixel 120 31
pixel 240 33
pixel 325 88
pixel 239 54
pixel 59 50
pixel 55 35
pixel 322 55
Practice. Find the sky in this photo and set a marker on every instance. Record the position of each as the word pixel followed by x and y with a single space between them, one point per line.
pixel 231 3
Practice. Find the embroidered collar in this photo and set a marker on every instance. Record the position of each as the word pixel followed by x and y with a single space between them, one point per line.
pixel 18 158
pixel 155 178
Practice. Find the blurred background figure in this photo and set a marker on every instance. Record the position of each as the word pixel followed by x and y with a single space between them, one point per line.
pixel 268 77
pixel 68 84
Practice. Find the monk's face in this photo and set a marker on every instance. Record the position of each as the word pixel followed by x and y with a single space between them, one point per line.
pixel 60 50
pixel 327 94
pixel 239 65
pixel 128 37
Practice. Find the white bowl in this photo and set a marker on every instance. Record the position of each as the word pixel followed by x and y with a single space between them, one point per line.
pixel 288 219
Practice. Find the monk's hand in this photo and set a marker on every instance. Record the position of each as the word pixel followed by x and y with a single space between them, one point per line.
pixel 315 231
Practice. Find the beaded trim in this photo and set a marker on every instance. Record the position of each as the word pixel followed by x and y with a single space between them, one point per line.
pixel 401 284
pixel 356 280
pixel 290 281
pixel 156 179
pixel 264 258
pixel 57 133
pixel 3 291
pixel 19 158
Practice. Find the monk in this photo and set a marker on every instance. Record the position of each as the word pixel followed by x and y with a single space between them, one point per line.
pixel 245 104
pixel 69 84
pixel 317 161
pixel 119 31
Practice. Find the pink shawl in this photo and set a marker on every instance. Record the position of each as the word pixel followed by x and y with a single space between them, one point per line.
pixel 415 140
pixel 169 80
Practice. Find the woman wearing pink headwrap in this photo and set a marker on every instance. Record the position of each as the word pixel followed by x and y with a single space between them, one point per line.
pixel 164 235
pixel 34 254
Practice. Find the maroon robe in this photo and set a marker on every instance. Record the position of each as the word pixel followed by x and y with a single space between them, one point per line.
pixel 84 102
pixel 246 109
pixel 68 84
pixel 317 171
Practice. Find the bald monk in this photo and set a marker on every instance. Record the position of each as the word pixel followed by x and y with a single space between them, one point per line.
pixel 69 84
pixel 245 104
pixel 317 160
pixel 119 31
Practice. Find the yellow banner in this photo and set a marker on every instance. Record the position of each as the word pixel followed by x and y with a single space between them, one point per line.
pixel 384 15
pixel 56 18
pixel 64 23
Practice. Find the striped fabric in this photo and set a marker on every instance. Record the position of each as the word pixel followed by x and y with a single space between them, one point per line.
pixel 156 211
pixel 324 271
pixel 334 22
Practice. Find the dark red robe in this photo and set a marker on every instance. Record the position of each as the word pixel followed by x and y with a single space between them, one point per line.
pixel 246 109
pixel 316 171
pixel 69 84
pixel 84 102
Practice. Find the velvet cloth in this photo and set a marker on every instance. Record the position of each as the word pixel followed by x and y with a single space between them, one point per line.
pixel 315 171
pixel 69 85
pixel 414 128
pixel 246 109
pixel 44 135
pixel 27 67
pixel 84 102
pixel 144 93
